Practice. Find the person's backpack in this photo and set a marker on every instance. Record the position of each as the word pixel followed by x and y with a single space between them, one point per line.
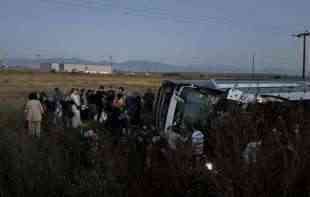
pixel 67 108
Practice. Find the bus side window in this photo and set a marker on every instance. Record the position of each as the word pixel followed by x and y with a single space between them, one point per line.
pixel 165 94
pixel 179 113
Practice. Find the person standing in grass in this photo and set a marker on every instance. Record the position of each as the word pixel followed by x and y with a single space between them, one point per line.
pixel 118 118
pixel 75 108
pixel 148 99
pixel 197 147
pixel 75 97
pixel 34 112
pixel 76 116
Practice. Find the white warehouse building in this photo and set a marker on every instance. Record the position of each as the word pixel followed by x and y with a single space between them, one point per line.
pixel 47 67
pixel 85 68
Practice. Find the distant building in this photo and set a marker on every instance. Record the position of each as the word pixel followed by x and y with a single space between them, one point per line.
pixel 48 67
pixel 85 68
pixel 2 67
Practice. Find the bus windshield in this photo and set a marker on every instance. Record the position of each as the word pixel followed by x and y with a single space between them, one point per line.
pixel 193 109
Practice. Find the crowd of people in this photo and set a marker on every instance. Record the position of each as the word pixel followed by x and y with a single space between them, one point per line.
pixel 116 109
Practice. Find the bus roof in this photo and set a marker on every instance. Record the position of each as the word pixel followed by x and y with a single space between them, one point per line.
pixel 289 90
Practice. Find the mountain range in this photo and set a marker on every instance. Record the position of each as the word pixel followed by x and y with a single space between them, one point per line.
pixel 131 66
pixel 151 66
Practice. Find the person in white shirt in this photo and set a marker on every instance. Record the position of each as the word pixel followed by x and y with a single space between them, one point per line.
pixel 34 112
pixel 76 119
pixel 250 152
pixel 197 147
pixel 75 97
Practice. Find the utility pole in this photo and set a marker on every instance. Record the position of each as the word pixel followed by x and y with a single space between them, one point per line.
pixel 38 56
pixel 253 66
pixel 304 36
pixel 111 62
pixel 3 56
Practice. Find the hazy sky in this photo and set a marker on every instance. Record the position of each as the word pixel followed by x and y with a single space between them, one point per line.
pixel 183 32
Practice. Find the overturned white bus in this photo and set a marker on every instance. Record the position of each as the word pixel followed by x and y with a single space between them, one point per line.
pixel 185 103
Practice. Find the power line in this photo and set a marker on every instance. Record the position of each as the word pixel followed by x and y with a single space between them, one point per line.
pixel 275 30
pixel 253 66
pixel 75 4
pixel 165 12
pixel 147 14
pixel 130 11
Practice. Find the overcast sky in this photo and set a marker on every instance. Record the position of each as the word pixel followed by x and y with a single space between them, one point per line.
pixel 184 32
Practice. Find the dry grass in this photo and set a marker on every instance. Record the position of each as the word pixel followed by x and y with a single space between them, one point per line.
pixel 17 84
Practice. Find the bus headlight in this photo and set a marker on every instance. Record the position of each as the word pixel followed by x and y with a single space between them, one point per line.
pixel 209 166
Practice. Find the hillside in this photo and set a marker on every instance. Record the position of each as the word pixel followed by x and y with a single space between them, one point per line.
pixel 151 66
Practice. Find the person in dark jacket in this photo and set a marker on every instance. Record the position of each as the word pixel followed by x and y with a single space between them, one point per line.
pixel 84 105
pixel 148 99
pixel 67 112
pixel 110 96
pixel 58 95
pixel 115 121
pixel 98 103
pixel 136 119
pixel 133 106
pixel 120 113
pixel 92 107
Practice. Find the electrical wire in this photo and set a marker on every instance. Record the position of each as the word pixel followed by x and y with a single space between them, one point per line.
pixel 274 29
pixel 158 15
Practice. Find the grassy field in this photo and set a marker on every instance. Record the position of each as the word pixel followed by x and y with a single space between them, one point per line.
pixel 53 165
pixel 17 84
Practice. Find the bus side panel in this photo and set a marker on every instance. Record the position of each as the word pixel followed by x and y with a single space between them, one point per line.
pixel 162 105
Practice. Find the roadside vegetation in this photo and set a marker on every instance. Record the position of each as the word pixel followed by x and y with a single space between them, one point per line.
pixel 61 164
